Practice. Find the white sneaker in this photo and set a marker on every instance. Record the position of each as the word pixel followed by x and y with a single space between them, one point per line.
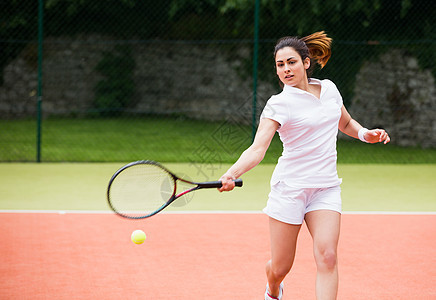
pixel 269 297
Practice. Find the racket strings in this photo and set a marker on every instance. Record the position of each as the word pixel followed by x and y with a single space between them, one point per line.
pixel 141 190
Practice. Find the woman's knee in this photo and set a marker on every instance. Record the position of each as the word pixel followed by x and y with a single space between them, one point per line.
pixel 326 258
pixel 278 270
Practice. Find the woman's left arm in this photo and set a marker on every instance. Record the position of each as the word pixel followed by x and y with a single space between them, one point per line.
pixel 351 127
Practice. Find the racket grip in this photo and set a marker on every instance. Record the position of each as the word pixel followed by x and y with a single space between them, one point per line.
pixel 218 184
pixel 238 182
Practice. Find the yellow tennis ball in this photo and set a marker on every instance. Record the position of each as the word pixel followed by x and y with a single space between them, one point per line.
pixel 138 236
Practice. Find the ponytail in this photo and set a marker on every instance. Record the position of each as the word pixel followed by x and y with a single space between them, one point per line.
pixel 319 46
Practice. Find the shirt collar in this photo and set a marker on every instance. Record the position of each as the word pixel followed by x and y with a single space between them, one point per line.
pixel 294 90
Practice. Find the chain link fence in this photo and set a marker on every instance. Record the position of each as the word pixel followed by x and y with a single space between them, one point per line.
pixel 185 80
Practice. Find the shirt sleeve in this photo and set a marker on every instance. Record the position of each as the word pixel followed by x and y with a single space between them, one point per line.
pixel 276 110
pixel 336 93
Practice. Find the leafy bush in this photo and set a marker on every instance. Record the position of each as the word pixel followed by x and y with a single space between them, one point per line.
pixel 115 92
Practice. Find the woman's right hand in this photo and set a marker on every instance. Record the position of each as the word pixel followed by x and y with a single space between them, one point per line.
pixel 228 183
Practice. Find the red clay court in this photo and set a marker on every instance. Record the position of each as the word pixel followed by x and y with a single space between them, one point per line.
pixel 205 256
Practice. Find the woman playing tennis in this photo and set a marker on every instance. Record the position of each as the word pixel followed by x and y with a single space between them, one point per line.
pixel 305 185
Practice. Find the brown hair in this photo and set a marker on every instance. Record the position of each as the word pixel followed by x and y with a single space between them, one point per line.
pixel 316 46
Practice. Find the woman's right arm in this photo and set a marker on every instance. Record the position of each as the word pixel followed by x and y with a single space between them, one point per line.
pixel 253 155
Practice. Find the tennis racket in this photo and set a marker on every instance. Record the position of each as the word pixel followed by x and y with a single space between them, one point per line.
pixel 143 188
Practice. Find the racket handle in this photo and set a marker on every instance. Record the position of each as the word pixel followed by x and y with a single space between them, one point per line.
pixel 238 182
pixel 218 184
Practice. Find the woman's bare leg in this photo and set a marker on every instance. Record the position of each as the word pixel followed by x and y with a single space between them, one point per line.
pixel 324 226
pixel 283 244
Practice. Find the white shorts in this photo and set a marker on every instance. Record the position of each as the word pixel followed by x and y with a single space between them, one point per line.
pixel 290 204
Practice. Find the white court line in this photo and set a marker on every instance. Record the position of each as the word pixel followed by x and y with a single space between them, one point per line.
pixel 215 212
pixel 389 212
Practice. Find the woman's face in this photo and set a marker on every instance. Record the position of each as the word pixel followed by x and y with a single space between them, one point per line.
pixel 291 69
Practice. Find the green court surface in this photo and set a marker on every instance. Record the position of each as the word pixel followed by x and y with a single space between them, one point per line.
pixel 82 186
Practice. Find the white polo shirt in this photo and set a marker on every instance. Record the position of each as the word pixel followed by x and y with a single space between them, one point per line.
pixel 308 130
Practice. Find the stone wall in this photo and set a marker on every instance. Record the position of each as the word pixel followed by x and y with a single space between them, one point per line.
pixel 392 92
pixel 202 81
